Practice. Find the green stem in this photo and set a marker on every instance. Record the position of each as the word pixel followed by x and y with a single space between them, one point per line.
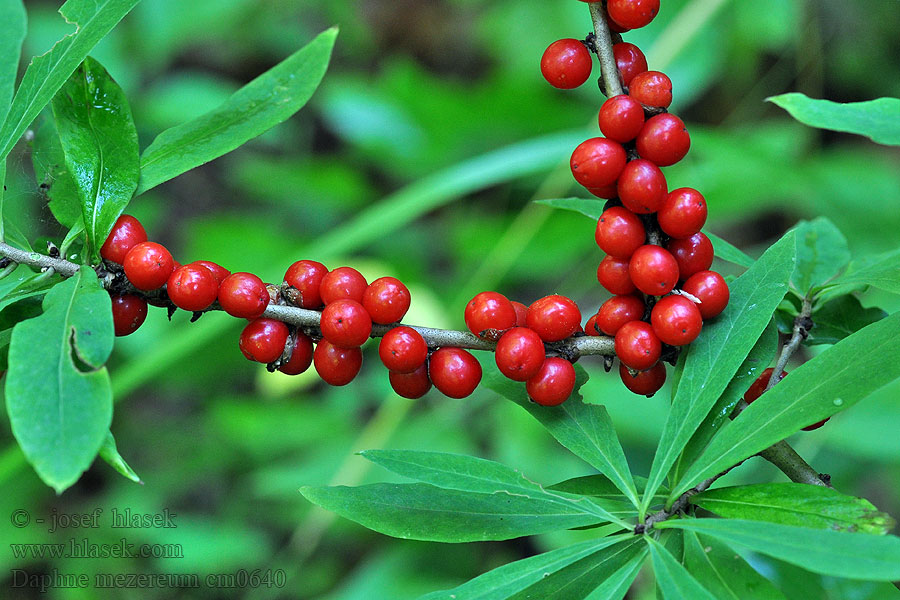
pixel 612 86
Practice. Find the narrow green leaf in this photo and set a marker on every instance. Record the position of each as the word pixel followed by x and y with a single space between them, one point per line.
pixel 796 504
pixel 881 271
pixel 727 251
pixel 723 572
pixel 840 317
pixel 53 177
pixel 835 553
pixel 589 207
pixel 58 393
pixel 47 73
pixel 263 103
pixel 585 429
pixel 876 119
pixel 100 143
pixel 600 486
pixel 715 356
pixel 821 253
pixel 616 586
pixel 12 15
pixel 110 453
pixel 672 578
pixel 834 380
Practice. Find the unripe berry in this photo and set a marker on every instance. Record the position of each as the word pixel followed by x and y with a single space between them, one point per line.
pixel 243 295
pixel 566 64
pixel 336 366
pixel 346 323
pixel 148 265
pixel 653 270
pixel 387 300
pixel 619 232
pixel 126 233
pixel 519 353
pixel 454 372
pixel 128 313
pixel 597 162
pixel 193 287
pixel 553 317
pixel 553 383
pixel 676 320
pixel 263 340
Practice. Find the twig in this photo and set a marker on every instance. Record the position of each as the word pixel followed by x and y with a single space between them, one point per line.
pixel 802 324
pixel 603 44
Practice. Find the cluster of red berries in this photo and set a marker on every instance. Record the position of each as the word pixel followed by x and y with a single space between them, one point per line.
pixel 658 260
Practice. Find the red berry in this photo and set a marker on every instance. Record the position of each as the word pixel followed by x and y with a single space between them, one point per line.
pixel 403 350
pixel 692 254
pixel 683 213
pixel 710 288
pixel 346 323
pixel 632 14
pixel 653 270
pixel 645 383
pixel 489 314
pixel 607 192
pixel 566 64
pixel 676 320
pixel 553 317
pixel 621 118
pixel 454 372
pixel 597 162
pixel 218 271
pixel 759 386
pixel 263 340
pixel 193 287
pixel 243 295
pixel 612 273
pixel 386 299
pixel 617 311
pixel 664 140
pixel 651 88
pixel 519 353
pixel 619 232
pixel 591 328
pixel 148 265
pixel 343 282
pixel 125 235
pixel 553 383
pixel 128 313
pixel 521 313
pixel 336 366
pixel 630 61
pixel 301 355
pixel 642 187
pixel 637 346
pixel 411 385
pixel 306 277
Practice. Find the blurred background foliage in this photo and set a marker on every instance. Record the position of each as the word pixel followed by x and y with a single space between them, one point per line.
pixel 419 157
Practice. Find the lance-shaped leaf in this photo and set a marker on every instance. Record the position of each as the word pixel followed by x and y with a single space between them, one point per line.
pixel 589 207
pixel 54 179
pixel 836 319
pixel 723 572
pixel 876 119
pixel 727 251
pixel 821 253
pixel 881 271
pixel 58 393
pixel 672 578
pixel 110 453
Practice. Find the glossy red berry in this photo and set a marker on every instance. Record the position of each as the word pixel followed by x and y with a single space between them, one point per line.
pixel 651 88
pixel 663 139
pixel 218 271
pixel 653 270
pixel 386 299
pixel 612 273
pixel 519 353
pixel 710 288
pixel 553 383
pixel 336 366
pixel 193 287
pixel 617 311
pixel 411 385
pixel 759 386
pixel 346 323
pixel 637 346
pixel 306 277
pixel 521 313
pixel 607 192
pixel 454 372
pixel 566 64
pixel 621 118
pixel 683 213
pixel 632 14
pixel 630 61
pixel 403 350
pixel 676 320
pixel 148 265
pixel 642 187
pixel 619 232
pixel 597 162
pixel 553 317
pixel 301 355
pixel 693 254
pixel 343 282
pixel 591 328
pixel 243 295
pixel 645 383
pixel 125 235
pixel 263 340
pixel 128 313
pixel 489 314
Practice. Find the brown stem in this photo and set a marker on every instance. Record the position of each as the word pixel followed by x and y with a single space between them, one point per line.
pixel 603 43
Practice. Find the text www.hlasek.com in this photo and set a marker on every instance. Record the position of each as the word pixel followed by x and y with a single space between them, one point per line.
pixel 84 548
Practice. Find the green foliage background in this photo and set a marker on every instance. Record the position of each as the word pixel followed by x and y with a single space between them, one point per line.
pixel 416 94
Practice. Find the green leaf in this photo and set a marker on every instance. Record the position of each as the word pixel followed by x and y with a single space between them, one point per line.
pixel 672 578
pixel 840 317
pixel 600 486
pixel 54 179
pixel 835 553
pixel 714 357
pixel 424 512
pixel 881 271
pixel 821 254
pixel 834 380
pixel 616 586
pixel 47 73
pixel 796 504
pixel 97 134
pixel 723 572
pixel 727 251
pixel 110 453
pixel 58 393
pixel 263 103
pixel 876 119
pixel 585 429
pixel 589 207
pixel 12 15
